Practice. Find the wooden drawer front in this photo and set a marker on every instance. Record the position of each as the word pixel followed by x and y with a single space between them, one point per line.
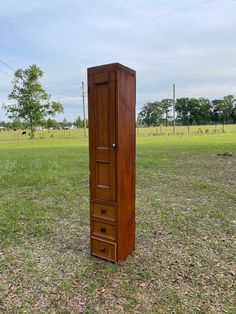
pixel 104 230
pixel 103 249
pixel 103 211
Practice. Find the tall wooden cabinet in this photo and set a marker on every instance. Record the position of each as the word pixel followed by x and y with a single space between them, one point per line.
pixel 111 106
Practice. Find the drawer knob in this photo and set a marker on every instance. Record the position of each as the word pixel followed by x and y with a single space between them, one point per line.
pixel 103 211
pixel 103 229
pixel 102 249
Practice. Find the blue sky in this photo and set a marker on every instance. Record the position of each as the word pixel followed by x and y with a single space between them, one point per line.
pixel 189 43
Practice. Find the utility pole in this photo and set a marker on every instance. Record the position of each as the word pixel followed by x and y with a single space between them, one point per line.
pixel 173 108
pixel 83 96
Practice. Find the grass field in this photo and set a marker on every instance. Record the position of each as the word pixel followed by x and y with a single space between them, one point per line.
pixel 152 131
pixel 185 258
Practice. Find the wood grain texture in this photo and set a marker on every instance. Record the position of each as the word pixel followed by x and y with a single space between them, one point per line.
pixel 111 99
pixel 103 211
pixel 103 249
pixel 104 230
pixel 126 163
pixel 102 134
pixel 110 67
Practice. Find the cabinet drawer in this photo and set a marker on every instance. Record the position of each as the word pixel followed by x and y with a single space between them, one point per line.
pixel 103 249
pixel 104 230
pixel 103 211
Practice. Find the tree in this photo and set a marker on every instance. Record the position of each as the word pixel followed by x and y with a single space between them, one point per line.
pixel 216 105
pixel 229 106
pixel 150 114
pixel 234 114
pixel 3 124
pixel 17 124
pixel 193 110
pixel 31 103
pixel 79 122
pixel 52 123
pixel 166 105
pixel 205 111
pixel 65 123
pixel 223 110
pixel 183 109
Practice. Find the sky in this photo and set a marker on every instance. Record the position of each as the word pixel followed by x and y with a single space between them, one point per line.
pixel 189 43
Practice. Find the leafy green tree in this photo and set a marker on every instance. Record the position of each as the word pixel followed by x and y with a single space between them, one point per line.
pixel 3 124
pixel 31 103
pixel 65 123
pixel 204 114
pixel 199 110
pixel 193 110
pixel 17 124
pixel 52 123
pixel 190 111
pixel 223 110
pixel 216 105
pixel 79 122
pixel 150 114
pixel 166 105
pixel 229 106
pixel 234 114
pixel 183 109
pixel 43 123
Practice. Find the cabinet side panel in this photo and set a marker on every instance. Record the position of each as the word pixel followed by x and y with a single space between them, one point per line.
pixel 126 87
pixel 91 123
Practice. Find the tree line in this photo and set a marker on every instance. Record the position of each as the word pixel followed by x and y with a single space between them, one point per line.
pixel 18 124
pixel 31 105
pixel 189 111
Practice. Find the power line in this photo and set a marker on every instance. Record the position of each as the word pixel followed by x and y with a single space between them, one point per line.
pixel 7 65
pixel 52 90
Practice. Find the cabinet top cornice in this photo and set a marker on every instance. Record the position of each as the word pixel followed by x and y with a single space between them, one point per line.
pixel 110 67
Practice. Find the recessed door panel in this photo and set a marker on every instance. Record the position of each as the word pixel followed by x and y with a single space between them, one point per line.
pixel 103 174
pixel 102 113
pixel 102 136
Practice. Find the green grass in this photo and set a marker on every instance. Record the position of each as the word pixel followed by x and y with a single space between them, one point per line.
pixel 40 135
pixel 186 229
pixel 184 130
pixel 152 131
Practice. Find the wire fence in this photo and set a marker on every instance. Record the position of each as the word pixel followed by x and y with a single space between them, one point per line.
pixel 17 135
pixel 186 130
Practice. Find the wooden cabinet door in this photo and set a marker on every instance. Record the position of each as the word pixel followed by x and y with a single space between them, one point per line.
pixel 102 136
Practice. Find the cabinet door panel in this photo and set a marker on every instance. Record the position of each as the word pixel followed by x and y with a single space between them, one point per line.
pixel 102 134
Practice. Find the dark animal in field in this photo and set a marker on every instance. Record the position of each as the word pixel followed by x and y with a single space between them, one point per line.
pixel 227 154
pixel 23 133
